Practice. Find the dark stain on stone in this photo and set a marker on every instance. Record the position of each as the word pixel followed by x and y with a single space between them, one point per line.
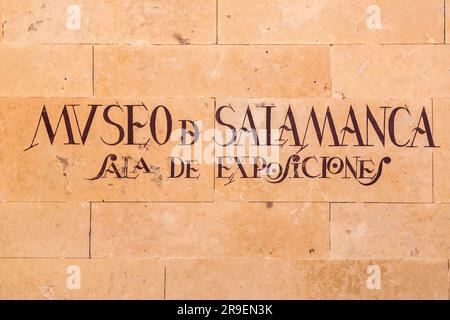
pixel 158 180
pixel 180 39
pixel 154 168
pixel 64 162
pixel 34 25
pixel 264 104
pixel 414 253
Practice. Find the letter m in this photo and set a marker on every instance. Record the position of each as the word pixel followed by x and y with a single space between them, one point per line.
pixel 44 118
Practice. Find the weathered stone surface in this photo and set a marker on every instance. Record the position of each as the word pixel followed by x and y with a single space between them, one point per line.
pixel 106 21
pixel 391 71
pixel 390 231
pixel 44 229
pixel 245 230
pixel 45 71
pixel 213 71
pixel 57 279
pixel 275 279
pixel 332 21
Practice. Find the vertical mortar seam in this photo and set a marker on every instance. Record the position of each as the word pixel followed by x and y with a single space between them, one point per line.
pixel 165 282
pixel 432 152
pixel 329 229
pixel 217 21
pixel 445 21
pixel 214 142
pixel 93 70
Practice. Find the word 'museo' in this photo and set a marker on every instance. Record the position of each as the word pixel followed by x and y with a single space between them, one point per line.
pixel 243 137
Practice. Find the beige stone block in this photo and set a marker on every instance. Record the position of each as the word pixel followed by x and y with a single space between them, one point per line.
pixel 334 22
pixel 391 71
pixel 106 21
pixel 213 71
pixel 390 231
pixel 442 154
pixel 277 279
pixel 68 279
pixel 108 160
pixel 323 171
pixel 44 229
pixel 284 230
pixel 45 71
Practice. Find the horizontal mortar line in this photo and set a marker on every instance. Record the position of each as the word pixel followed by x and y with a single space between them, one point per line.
pixel 409 44
pixel 122 44
pixel 219 44
pixel 283 201
pixel 150 201
pixel 42 258
pixel 50 201
pixel 396 259
pixel 334 44
pixel 66 97
pixel 287 259
pixel 333 202
pixel 166 44
pixel 410 98
pixel 338 202
pixel 229 201
pixel 8 43
pixel 125 97
pixel 145 96
pixel 219 201
pixel 225 259
pixel 85 258
pixel 396 202
pixel 126 257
